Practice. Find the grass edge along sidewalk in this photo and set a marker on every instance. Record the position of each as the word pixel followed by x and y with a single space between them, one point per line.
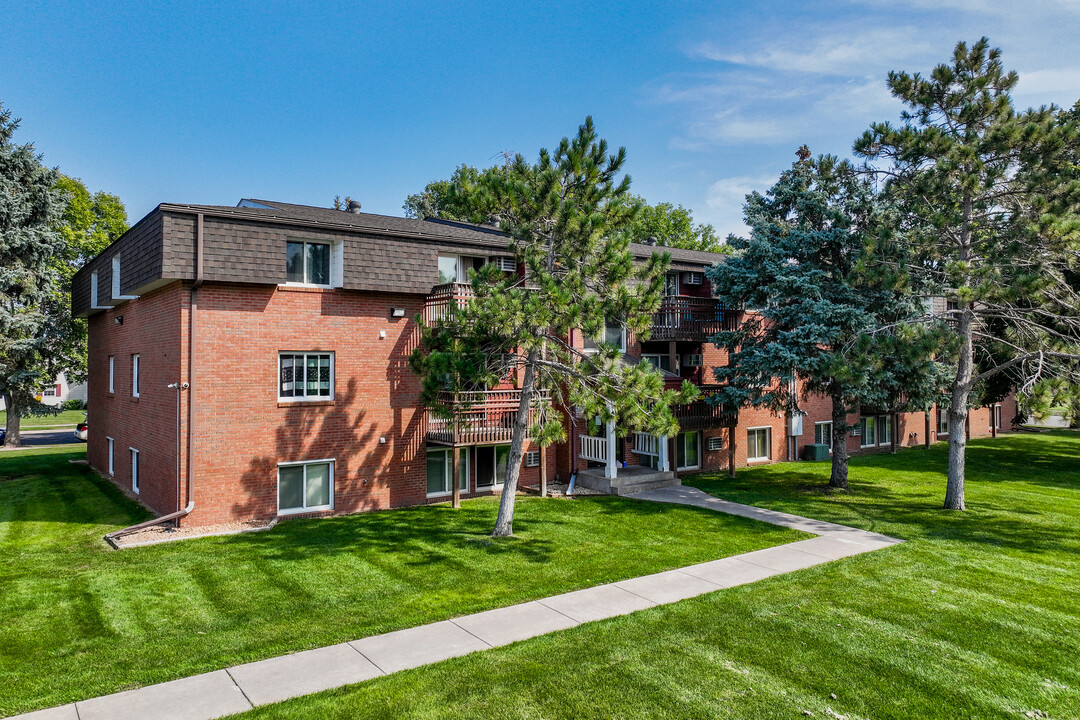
pixel 78 620
pixel 975 615
pixel 214 695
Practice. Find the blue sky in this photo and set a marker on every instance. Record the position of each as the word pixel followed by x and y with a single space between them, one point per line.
pixel 207 102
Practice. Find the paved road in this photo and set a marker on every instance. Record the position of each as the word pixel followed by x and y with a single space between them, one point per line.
pixel 38 438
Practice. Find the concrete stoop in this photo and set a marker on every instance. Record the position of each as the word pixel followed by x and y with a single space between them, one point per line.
pixel 630 480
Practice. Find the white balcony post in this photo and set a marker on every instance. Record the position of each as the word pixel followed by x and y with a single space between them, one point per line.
pixel 610 470
pixel 662 463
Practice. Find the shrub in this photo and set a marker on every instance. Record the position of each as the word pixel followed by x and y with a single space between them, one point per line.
pixel 73 404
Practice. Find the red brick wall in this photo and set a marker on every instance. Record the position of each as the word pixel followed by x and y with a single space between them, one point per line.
pixel 151 327
pixel 373 428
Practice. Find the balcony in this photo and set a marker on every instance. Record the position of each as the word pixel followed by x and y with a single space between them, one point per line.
pixel 691 318
pixel 475 418
pixel 444 300
pixel 700 415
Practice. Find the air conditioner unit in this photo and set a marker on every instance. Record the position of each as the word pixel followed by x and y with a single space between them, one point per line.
pixel 506 264
pixel 715 443
pixel 693 278
pixel 692 360
pixel 532 458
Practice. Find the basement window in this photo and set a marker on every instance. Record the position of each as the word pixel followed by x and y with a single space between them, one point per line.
pixel 305 486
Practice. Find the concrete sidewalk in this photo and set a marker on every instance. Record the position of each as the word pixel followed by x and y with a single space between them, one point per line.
pixel 242 687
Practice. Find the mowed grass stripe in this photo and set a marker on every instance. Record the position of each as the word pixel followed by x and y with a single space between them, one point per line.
pixel 78 620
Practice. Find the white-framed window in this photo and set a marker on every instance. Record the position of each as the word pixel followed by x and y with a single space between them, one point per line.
pixel 455 268
pixel 758 444
pixel 658 360
pixel 116 276
pixel 305 376
pixel 532 458
pixel 440 468
pixel 688 450
pixel 305 486
pixel 942 421
pixel 134 470
pixel 671 284
pixel 884 428
pixel 110 445
pixel 308 263
pixel 614 334
pixel 135 375
pixel 94 289
pixel 823 433
pixel 49 391
pixel 997 417
pixel 112 374
pixel 868 434
pixel 491 464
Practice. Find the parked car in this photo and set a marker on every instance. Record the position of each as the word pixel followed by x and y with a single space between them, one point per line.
pixel 3 434
pixel 80 430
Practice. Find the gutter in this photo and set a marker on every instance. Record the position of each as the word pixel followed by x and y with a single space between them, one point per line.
pixel 112 537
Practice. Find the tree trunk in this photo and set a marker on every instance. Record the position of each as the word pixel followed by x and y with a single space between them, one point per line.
pixel 14 422
pixel 504 523
pixel 954 489
pixel 838 477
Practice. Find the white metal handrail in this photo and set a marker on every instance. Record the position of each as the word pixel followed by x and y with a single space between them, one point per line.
pixel 593 448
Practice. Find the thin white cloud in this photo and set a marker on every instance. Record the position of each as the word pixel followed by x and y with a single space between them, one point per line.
pixel 724 202
pixel 1060 85
pixel 836 53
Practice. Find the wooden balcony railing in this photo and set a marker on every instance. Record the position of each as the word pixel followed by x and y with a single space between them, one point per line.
pixel 475 418
pixel 691 318
pixel 701 414
pixel 444 300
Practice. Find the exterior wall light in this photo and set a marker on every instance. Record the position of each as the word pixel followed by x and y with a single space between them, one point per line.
pixel 397 312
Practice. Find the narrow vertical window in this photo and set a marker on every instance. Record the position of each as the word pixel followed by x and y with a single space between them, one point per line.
pixel 134 376
pixel 116 276
pixel 93 289
pixel 109 444
pixel 134 469
pixel 112 374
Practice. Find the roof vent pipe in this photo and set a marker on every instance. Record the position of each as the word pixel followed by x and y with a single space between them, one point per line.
pixel 354 206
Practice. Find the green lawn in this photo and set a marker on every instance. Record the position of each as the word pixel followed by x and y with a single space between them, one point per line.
pixel 78 620
pixel 977 616
pixel 66 417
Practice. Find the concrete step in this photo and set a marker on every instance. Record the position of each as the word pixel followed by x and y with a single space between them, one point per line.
pixel 641 486
pixel 629 480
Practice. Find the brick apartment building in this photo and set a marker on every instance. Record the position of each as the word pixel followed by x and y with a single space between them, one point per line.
pixel 253 361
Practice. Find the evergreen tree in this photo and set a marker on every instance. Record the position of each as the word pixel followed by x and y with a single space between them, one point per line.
pixel 803 272
pixel 30 247
pixel 565 215
pixel 990 198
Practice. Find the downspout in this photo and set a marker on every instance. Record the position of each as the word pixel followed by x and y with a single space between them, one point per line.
pixel 113 536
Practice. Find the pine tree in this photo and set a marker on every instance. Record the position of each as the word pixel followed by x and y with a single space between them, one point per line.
pixel 564 215
pixel 990 198
pixel 803 271
pixel 30 246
